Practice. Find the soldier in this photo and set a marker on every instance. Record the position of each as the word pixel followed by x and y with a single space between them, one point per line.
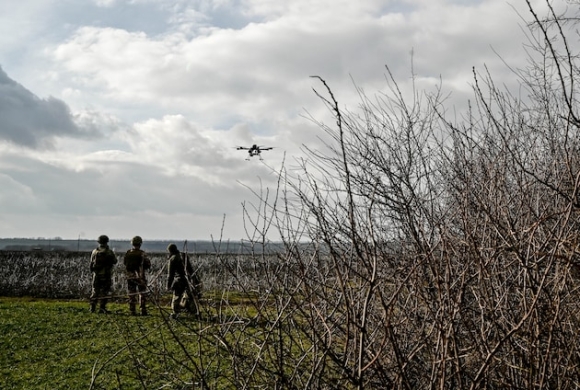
pixel 185 294
pixel 136 263
pixel 102 261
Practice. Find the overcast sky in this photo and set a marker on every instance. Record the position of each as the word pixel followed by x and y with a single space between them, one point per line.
pixel 121 117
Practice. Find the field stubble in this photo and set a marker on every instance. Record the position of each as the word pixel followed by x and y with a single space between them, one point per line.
pixel 66 275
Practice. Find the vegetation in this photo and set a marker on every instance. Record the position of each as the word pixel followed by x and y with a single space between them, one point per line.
pixel 55 344
pixel 66 274
pixel 60 345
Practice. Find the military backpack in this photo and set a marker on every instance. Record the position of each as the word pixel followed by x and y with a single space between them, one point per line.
pixel 101 260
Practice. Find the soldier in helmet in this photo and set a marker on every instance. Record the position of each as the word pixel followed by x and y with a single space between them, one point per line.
pixel 102 262
pixel 136 263
pixel 184 293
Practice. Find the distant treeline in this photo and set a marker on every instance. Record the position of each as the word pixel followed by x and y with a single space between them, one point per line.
pixel 154 246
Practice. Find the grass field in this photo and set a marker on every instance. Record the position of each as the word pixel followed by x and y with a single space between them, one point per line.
pixel 57 344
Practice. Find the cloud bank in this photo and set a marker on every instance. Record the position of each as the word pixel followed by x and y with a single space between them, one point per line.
pixel 27 120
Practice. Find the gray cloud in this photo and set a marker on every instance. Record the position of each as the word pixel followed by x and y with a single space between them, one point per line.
pixel 29 121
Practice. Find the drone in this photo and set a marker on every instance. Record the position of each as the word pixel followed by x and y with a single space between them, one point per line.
pixel 254 150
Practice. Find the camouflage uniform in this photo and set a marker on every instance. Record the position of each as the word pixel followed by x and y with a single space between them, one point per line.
pixel 136 263
pixel 184 294
pixel 102 261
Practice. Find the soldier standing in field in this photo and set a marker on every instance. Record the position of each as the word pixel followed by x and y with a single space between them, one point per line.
pixel 136 263
pixel 183 282
pixel 102 262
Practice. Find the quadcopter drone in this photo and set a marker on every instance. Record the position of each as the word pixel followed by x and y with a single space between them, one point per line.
pixel 254 150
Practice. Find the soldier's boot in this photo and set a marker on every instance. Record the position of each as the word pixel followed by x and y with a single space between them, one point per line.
pixel 194 309
pixel 103 307
pixel 93 307
pixel 143 306
pixel 132 309
pixel 175 308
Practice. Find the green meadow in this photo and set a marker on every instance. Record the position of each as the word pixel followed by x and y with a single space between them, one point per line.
pixel 58 344
pixel 50 344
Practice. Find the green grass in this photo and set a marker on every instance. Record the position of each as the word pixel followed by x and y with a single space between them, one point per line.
pixel 48 344
pixel 57 344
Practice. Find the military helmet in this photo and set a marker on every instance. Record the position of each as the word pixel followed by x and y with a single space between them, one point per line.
pixel 172 248
pixel 103 239
pixel 137 241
